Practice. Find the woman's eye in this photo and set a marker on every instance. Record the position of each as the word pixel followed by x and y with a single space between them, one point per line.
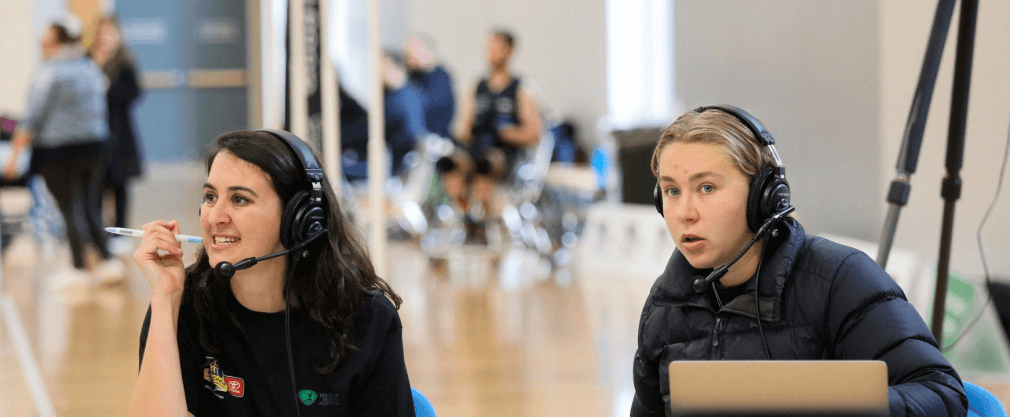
pixel 239 200
pixel 707 188
pixel 208 198
pixel 672 192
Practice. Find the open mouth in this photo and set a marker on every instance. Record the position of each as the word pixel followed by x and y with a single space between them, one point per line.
pixel 689 239
pixel 220 240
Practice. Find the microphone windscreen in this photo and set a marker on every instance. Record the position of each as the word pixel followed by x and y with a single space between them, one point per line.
pixel 698 284
pixel 225 270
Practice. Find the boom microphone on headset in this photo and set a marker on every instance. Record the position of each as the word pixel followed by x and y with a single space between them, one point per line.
pixel 699 285
pixel 226 270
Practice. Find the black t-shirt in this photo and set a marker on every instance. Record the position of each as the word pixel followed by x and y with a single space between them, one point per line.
pixel 250 375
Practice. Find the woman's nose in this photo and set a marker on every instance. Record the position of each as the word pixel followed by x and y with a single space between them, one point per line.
pixel 218 213
pixel 686 209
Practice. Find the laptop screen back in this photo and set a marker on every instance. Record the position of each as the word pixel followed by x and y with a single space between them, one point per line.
pixel 778 388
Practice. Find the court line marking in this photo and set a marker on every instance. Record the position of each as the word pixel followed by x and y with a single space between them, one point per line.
pixel 29 367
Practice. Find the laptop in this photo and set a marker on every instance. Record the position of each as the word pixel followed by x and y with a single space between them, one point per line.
pixel 778 388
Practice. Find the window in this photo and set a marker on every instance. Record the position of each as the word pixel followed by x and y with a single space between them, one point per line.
pixel 640 78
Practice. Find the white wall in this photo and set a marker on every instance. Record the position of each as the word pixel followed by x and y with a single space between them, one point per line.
pixel 20 33
pixel 809 71
pixel 905 26
pixel 17 50
pixel 561 46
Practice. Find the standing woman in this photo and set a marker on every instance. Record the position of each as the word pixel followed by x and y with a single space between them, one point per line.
pixel 116 61
pixel 64 126
pixel 311 333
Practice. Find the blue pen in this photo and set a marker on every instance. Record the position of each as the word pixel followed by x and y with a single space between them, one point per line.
pixel 140 233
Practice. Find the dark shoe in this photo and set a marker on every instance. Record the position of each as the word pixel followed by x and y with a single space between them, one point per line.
pixel 476 233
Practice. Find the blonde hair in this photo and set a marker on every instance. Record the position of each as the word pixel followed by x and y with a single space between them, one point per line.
pixel 715 126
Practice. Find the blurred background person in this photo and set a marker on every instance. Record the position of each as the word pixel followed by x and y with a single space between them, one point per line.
pixel 112 55
pixel 46 221
pixel 65 125
pixel 432 83
pixel 404 121
pixel 498 118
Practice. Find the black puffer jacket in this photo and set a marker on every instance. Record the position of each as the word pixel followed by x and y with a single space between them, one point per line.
pixel 819 300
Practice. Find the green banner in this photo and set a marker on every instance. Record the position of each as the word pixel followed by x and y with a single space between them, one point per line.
pixel 980 350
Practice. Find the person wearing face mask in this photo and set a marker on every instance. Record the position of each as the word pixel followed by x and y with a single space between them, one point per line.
pixel 747 283
pixel 282 313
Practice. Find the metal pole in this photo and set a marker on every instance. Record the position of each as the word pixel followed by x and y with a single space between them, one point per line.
pixel 330 105
pixel 376 146
pixel 299 94
pixel 951 189
pixel 911 142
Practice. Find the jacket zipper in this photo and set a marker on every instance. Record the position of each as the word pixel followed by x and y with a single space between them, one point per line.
pixel 715 337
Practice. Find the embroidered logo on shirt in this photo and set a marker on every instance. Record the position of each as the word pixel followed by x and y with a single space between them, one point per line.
pixel 309 397
pixel 236 386
pixel 216 376
pixel 218 382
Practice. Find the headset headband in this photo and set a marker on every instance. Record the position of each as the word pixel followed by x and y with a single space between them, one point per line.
pixel 752 123
pixel 313 173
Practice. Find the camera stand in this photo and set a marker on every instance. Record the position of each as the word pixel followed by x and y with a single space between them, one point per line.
pixel 908 157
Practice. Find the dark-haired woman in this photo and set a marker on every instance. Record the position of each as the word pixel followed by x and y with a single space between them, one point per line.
pixel 217 347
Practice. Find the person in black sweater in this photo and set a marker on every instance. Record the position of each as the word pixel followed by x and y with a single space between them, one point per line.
pixel 125 153
pixel 721 188
pixel 312 333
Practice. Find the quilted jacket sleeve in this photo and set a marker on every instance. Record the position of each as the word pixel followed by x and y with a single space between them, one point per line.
pixel 648 401
pixel 869 318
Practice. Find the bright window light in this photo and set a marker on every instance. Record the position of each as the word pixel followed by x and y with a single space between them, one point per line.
pixel 640 79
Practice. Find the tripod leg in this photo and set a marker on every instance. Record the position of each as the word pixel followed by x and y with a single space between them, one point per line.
pixel 951 189
pixel 912 140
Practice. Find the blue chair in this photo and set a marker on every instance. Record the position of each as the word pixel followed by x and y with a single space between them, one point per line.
pixel 981 403
pixel 423 408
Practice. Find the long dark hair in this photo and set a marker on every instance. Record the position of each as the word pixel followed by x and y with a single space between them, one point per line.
pixel 328 286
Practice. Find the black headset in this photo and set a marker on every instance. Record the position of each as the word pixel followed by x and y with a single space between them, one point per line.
pixel 769 190
pixel 303 220
pixel 305 212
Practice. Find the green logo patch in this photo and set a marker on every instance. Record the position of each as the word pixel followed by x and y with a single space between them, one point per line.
pixel 307 396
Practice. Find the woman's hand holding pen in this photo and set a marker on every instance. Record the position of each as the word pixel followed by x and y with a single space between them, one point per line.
pixel 165 271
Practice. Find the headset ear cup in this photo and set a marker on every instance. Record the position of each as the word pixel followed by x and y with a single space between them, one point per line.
pixel 755 204
pixel 301 219
pixel 290 224
pixel 776 197
pixel 310 219
pixel 657 196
